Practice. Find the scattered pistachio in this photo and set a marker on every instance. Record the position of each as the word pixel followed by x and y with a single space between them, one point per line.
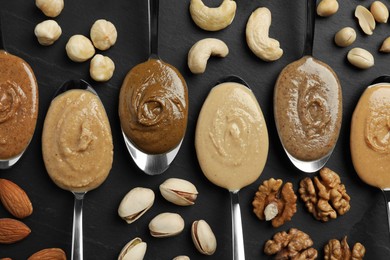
pixel 360 58
pixel 366 19
pixel 133 250
pixel 203 237
pixel 379 11
pixel 103 34
pixel 345 37
pixel 135 203
pixel 166 225
pixel 385 46
pixel 79 48
pixel 51 8
pixel 179 191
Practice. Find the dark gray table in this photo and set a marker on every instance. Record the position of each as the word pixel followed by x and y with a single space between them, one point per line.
pixel 104 232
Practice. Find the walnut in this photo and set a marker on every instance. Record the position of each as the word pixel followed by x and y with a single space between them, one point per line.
pixel 294 245
pixel 275 201
pixel 325 197
pixel 336 250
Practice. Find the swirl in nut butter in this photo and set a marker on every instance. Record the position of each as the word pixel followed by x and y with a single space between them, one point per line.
pixel 370 136
pixel 77 142
pixel 18 105
pixel 308 108
pixel 153 106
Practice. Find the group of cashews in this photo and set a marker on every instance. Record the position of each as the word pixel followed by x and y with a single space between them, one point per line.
pixel 218 18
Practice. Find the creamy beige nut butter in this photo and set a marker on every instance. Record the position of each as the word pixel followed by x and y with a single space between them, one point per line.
pixel 308 108
pixel 231 137
pixel 18 105
pixel 370 136
pixel 76 141
pixel 153 106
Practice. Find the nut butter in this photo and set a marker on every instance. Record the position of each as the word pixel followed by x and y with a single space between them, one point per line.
pixel 308 108
pixel 370 136
pixel 153 106
pixel 18 105
pixel 76 141
pixel 231 138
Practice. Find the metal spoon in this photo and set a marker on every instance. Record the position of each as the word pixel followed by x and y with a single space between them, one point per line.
pixel 312 164
pixel 233 188
pixel 77 230
pixel 371 171
pixel 6 163
pixel 152 164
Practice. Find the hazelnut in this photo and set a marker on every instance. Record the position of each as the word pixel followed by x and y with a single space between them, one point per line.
pixel 47 32
pixel 101 68
pixel 103 34
pixel 79 48
pixel 51 8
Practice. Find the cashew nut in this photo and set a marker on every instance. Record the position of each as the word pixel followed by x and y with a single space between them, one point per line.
pixel 213 19
pixel 201 52
pixel 257 38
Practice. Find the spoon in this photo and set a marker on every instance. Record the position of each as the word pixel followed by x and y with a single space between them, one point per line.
pixel 18 83
pixel 307 106
pixel 97 178
pixel 231 143
pixel 152 162
pixel 370 137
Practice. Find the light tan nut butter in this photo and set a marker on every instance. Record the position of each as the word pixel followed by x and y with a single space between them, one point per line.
pixel 379 11
pixel 345 37
pixel 360 58
pixel 366 19
pixel 77 144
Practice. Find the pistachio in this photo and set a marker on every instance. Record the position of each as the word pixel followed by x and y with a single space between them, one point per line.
pixel 133 250
pixel 345 37
pixel 203 237
pixel 360 58
pixel 366 19
pixel 179 191
pixel 166 225
pixel 181 257
pixel 379 11
pixel 135 203
pixel 385 46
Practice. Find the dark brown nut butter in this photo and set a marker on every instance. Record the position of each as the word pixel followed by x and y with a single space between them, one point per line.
pixel 18 105
pixel 153 106
pixel 308 108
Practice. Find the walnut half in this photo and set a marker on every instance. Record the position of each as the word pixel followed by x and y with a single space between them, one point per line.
pixel 275 201
pixel 336 250
pixel 325 197
pixel 294 245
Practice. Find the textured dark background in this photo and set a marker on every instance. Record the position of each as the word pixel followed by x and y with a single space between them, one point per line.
pixel 104 232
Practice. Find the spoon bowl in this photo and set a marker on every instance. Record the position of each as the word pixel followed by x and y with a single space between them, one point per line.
pixel 231 143
pixel 308 106
pixel 153 107
pixel 79 141
pixel 370 137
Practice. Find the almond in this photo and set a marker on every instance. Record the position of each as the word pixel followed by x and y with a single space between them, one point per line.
pixel 12 230
pixel 49 254
pixel 15 199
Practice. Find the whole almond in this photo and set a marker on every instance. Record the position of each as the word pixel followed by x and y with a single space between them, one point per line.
pixel 12 230
pixel 15 199
pixel 49 254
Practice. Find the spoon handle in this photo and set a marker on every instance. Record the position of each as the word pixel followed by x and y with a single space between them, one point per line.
pixel 310 26
pixel 386 193
pixel 1 35
pixel 77 234
pixel 153 28
pixel 238 239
